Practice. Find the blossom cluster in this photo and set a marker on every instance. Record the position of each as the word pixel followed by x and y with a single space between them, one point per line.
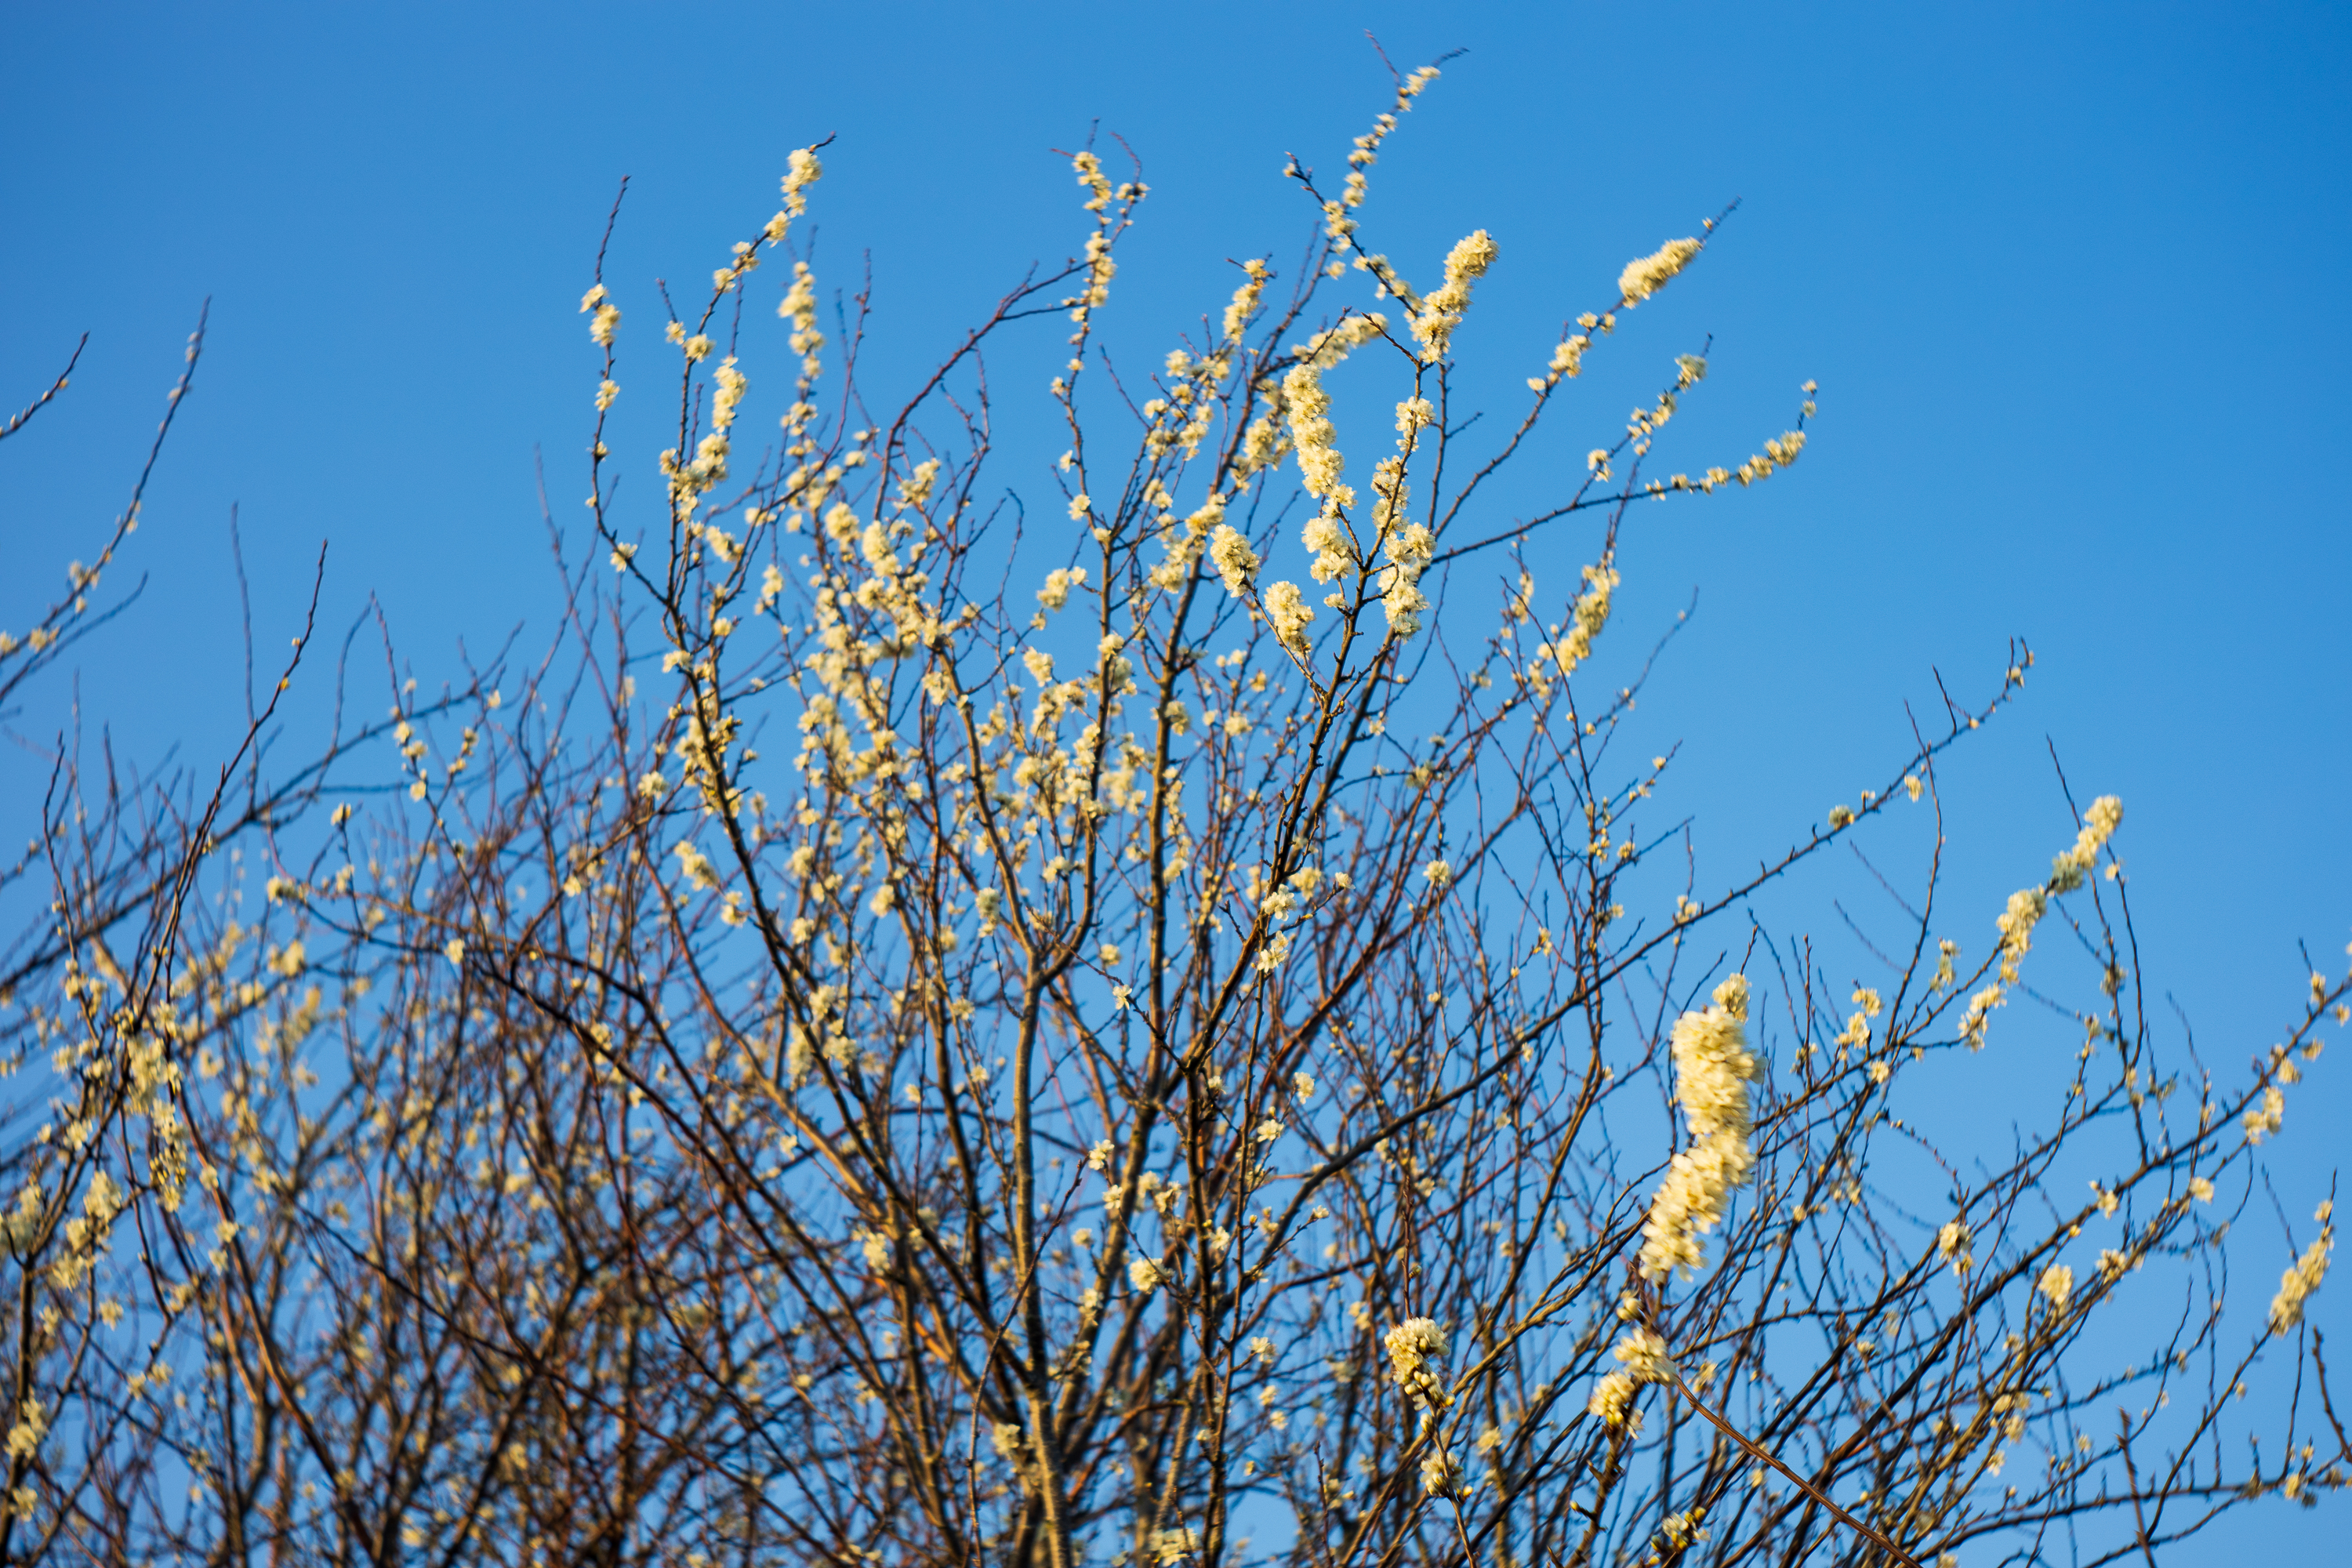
pixel 1587 619
pixel 1643 1355
pixel 1713 1069
pixel 1441 312
pixel 2026 907
pixel 1308 406
pixel 1645 275
pixel 2298 1282
pixel 1412 1346
pixel 2071 866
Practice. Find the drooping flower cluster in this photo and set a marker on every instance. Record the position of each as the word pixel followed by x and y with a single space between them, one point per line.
pixel 1713 1069
pixel 1981 1006
pixel 1413 1345
pixel 1612 1399
pixel 1856 1036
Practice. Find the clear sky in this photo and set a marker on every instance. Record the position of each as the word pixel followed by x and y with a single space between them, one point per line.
pixel 2071 276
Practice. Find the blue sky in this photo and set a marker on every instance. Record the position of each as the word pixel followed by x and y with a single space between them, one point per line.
pixel 2071 278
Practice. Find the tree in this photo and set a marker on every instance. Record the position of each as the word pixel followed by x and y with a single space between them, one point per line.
pixel 1108 1087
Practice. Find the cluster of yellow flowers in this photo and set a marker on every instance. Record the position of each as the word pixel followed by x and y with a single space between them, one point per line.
pixel 1402 600
pixel 1099 268
pixel 1643 1357
pixel 2057 1283
pixel 2028 905
pixel 1566 362
pixel 1590 614
pixel 1183 418
pixel 1288 614
pixel 1243 306
pixel 25 1437
pixel 1235 561
pixel 2072 866
pixel 1335 550
pixel 1443 310
pixel 1412 1346
pixel 802 170
pixel 1308 406
pixel 1041 779
pixel 2260 1120
pixel 1952 1245
pixel 2297 1283
pixel 1867 1005
pixel 1713 1069
pixel 1779 453
pixel 1338 225
pixel 603 318
pixel 1645 275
